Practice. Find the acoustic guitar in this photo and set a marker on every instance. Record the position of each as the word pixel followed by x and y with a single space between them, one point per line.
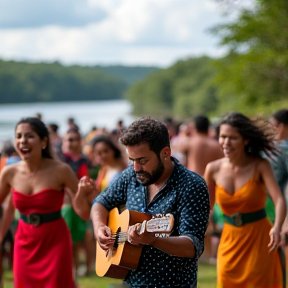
pixel 123 257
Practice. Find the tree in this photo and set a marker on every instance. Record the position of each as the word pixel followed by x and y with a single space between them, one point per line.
pixel 253 77
pixel 180 91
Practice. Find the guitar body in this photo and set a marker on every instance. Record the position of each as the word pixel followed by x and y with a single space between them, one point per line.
pixel 125 256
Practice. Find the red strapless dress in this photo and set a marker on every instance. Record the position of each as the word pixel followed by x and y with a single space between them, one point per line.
pixel 42 254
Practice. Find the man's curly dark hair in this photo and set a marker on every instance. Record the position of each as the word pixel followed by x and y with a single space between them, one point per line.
pixel 147 130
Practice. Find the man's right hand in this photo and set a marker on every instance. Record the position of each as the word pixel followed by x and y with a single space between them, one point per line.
pixel 104 237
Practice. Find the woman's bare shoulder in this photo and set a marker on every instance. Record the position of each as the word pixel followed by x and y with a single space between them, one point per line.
pixel 7 169
pixel 215 165
pixel 263 164
pixel 10 171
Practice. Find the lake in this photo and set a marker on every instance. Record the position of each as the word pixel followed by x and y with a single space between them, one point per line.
pixel 86 114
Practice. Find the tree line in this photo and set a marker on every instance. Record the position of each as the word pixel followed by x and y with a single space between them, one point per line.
pixel 22 82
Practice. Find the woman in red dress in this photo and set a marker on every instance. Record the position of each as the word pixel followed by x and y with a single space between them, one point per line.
pixel 43 249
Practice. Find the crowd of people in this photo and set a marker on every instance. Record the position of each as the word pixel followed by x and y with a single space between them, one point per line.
pixel 225 183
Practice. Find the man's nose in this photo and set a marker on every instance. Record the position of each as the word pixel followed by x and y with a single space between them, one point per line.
pixel 137 166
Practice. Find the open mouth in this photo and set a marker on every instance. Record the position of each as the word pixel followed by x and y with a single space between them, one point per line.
pixel 25 151
pixel 226 151
pixel 141 176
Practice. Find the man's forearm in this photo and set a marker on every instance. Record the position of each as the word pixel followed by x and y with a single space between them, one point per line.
pixel 180 246
pixel 99 215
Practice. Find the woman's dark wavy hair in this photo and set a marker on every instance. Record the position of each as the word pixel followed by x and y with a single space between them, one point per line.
pixel 109 142
pixel 258 134
pixel 41 130
pixel 149 130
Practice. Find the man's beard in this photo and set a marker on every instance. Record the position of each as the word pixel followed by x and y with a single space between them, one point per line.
pixel 148 178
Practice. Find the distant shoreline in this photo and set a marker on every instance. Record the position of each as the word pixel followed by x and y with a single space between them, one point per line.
pixel 99 113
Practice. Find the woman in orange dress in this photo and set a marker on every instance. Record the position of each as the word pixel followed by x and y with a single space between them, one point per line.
pixel 248 252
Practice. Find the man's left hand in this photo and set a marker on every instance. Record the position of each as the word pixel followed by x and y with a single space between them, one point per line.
pixel 135 238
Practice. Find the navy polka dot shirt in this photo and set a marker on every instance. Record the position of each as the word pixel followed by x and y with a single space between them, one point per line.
pixel 186 196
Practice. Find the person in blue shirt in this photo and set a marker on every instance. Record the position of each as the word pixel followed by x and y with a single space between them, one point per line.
pixel 279 164
pixel 156 183
pixel 279 160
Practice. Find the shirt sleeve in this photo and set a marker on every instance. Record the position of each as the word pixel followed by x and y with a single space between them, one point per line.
pixel 279 164
pixel 285 156
pixel 194 209
pixel 115 194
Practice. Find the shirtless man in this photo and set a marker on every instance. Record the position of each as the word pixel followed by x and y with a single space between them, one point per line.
pixel 200 149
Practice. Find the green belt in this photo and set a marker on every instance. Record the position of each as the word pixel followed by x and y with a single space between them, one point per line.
pixel 36 218
pixel 240 219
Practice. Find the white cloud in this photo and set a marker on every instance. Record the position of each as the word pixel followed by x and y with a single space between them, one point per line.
pixel 145 32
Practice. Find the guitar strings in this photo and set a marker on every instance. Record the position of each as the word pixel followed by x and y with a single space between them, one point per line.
pixel 120 236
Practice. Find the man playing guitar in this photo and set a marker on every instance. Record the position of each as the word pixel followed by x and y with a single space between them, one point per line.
pixel 155 183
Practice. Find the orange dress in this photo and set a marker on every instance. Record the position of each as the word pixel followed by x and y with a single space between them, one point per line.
pixel 243 259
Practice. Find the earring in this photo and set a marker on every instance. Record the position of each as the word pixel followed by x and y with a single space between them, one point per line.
pixel 43 147
pixel 248 148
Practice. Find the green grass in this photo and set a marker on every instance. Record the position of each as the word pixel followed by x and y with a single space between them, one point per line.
pixel 206 279
pixel 206 276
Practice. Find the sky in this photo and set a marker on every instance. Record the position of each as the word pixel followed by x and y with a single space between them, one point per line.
pixel 109 32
